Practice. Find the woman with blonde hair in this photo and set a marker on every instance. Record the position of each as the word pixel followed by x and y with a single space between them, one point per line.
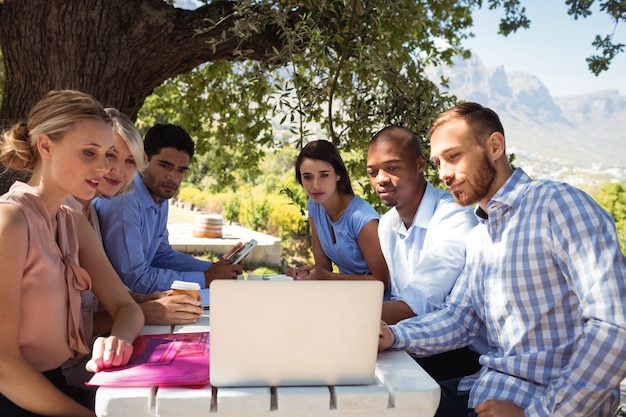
pixel 125 159
pixel 50 254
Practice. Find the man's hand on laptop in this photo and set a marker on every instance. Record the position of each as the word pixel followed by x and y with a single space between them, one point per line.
pixel 224 269
pixel 386 338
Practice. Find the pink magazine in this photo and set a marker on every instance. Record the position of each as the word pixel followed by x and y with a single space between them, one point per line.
pixel 162 360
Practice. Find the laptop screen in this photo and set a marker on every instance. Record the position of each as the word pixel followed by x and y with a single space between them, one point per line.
pixel 294 333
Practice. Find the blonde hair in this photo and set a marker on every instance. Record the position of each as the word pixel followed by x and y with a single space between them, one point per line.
pixel 124 127
pixel 54 115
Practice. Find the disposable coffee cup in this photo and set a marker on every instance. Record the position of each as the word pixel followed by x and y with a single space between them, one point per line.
pixel 188 288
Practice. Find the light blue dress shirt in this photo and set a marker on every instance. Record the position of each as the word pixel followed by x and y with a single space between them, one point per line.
pixel 136 240
pixel 426 259
pixel 545 274
pixel 344 249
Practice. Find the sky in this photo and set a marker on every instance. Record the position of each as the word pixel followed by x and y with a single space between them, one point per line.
pixel 553 49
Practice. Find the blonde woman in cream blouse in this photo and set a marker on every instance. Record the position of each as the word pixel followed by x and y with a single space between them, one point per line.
pixel 50 254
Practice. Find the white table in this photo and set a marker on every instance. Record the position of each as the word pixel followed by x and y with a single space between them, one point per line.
pixel 402 388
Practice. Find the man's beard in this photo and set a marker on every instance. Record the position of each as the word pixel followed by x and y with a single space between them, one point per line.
pixel 165 195
pixel 479 186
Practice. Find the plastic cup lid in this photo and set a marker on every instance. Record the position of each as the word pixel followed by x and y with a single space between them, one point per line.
pixel 184 285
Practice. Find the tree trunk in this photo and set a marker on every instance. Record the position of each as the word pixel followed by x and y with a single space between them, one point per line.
pixel 116 50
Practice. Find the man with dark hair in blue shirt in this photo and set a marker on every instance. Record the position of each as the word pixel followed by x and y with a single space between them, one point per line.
pixel 134 225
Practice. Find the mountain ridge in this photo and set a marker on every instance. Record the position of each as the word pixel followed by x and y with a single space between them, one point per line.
pixel 578 132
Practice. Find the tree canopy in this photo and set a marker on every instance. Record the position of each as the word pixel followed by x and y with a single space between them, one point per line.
pixel 244 77
pixel 344 71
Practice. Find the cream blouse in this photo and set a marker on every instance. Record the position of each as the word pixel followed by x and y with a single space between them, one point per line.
pixel 50 320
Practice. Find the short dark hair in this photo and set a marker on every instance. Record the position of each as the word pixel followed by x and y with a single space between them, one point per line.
pixel 162 136
pixel 324 150
pixel 408 140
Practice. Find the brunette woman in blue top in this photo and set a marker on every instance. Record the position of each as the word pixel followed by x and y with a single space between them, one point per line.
pixel 344 227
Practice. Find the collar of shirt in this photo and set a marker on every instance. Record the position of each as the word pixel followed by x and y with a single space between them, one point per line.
pixel 145 199
pixel 509 194
pixel 422 216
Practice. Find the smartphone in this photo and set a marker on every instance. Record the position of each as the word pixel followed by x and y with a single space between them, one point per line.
pixel 243 251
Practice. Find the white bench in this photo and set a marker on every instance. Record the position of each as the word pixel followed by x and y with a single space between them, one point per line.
pixel 402 388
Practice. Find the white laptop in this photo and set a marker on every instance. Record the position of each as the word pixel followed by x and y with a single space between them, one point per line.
pixel 294 333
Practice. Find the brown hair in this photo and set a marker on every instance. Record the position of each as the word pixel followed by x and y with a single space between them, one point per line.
pixel 324 150
pixel 481 121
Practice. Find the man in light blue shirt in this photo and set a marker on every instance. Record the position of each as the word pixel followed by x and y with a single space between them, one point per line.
pixel 134 225
pixel 422 238
pixel 544 275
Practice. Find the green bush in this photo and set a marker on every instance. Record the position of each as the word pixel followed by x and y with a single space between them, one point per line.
pixel 274 214
pixel 191 194
pixel 613 198
pixel 254 211
pixel 216 203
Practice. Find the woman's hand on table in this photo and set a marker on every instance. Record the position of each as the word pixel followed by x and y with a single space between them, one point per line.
pixel 307 272
pixel 109 352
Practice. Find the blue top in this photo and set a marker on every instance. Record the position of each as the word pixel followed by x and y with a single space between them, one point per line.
pixel 136 240
pixel 546 276
pixel 344 251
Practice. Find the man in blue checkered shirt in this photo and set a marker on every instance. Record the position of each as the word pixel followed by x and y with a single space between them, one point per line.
pixel 544 273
